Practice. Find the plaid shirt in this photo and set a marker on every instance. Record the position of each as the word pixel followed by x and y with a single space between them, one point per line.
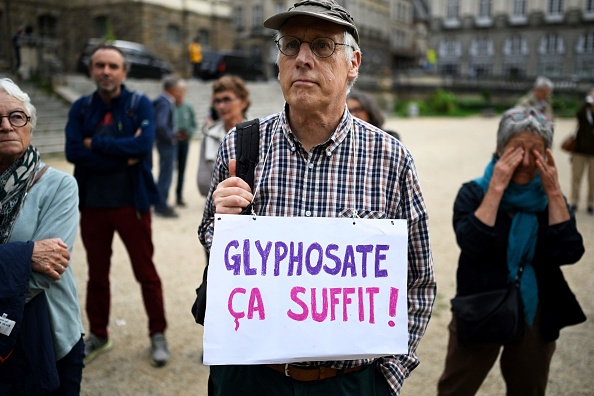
pixel 374 175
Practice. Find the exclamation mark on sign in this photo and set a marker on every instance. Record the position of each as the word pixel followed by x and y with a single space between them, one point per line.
pixel 393 304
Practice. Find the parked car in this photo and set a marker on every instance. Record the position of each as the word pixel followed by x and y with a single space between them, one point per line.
pixel 143 64
pixel 218 63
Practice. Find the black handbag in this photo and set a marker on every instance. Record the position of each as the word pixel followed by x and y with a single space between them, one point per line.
pixel 493 317
pixel 246 147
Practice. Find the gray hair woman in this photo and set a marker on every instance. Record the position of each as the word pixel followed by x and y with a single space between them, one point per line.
pixel 43 352
pixel 515 220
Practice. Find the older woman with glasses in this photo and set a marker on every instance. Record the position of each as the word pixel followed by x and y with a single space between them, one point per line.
pixel 515 216
pixel 41 346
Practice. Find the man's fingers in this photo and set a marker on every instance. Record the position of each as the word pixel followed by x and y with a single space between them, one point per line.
pixel 232 167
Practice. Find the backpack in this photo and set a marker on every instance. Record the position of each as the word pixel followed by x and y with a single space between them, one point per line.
pixel 246 151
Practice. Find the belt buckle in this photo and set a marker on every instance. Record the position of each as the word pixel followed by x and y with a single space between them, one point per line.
pixel 287 370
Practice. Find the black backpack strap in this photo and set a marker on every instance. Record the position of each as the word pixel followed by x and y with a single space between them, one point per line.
pixel 247 147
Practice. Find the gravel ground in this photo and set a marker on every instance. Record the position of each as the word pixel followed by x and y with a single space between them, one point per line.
pixel 447 153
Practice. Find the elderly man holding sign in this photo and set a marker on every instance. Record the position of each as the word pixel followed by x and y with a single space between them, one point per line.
pixel 328 286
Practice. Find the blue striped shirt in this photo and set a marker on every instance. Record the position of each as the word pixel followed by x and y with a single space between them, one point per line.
pixel 358 169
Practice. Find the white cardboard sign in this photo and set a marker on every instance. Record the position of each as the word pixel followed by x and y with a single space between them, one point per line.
pixel 292 289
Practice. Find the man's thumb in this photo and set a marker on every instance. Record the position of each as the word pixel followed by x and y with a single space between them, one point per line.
pixel 232 167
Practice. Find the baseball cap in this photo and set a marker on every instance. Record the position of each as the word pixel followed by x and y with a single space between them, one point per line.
pixel 328 10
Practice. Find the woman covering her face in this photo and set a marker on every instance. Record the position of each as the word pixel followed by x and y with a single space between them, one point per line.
pixel 43 351
pixel 513 216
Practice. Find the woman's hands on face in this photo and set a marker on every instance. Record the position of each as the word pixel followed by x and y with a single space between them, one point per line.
pixel 548 172
pixel 506 166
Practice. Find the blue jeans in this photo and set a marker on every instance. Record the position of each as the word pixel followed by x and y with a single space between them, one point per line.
pixel 167 156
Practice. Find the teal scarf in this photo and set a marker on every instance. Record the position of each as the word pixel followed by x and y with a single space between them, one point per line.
pixel 523 201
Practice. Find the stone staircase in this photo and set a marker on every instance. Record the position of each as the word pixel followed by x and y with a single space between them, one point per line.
pixel 52 108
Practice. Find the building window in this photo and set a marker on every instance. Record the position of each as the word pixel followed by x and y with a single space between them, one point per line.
pixel 554 11
pixel 481 47
pixel 585 43
pixel 452 9
pixel 551 44
pixel 450 49
pixel 257 17
pixel 238 18
pixel 484 9
pixel 173 35
pixel 515 45
pixel 519 8
pixel 452 17
pixel 589 11
pixel 47 26
pixel 449 69
pixel 555 7
pixel 100 26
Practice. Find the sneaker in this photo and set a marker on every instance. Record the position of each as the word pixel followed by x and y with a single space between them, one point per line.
pixel 181 203
pixel 590 209
pixel 573 208
pixel 94 346
pixel 165 212
pixel 159 351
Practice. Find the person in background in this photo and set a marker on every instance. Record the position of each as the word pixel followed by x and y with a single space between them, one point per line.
pixel 16 45
pixel 539 97
pixel 582 157
pixel 166 139
pixel 515 213
pixel 109 139
pixel 231 101
pixel 41 344
pixel 311 143
pixel 195 54
pixel 186 127
pixel 364 107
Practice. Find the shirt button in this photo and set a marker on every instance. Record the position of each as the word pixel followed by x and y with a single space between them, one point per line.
pixel 292 149
pixel 310 166
pixel 308 213
pixel 328 153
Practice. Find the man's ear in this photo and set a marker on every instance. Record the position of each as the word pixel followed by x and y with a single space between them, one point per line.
pixel 355 63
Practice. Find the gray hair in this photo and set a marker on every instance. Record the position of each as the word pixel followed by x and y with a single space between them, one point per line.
pixel 520 119
pixel 8 86
pixel 349 52
pixel 171 83
pixel 543 82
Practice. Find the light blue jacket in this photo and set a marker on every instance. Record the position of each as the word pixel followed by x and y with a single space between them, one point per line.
pixel 50 210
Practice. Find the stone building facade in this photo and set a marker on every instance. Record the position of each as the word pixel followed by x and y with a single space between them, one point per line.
pixel 58 30
pixel 514 39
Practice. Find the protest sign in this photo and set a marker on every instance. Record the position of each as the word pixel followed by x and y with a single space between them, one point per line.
pixel 291 289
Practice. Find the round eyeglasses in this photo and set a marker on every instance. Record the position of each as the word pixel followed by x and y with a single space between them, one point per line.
pixel 16 118
pixel 322 47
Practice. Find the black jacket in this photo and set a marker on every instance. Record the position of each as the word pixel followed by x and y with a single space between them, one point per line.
pixel 482 265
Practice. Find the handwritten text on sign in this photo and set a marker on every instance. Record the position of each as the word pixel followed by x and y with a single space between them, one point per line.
pixel 294 289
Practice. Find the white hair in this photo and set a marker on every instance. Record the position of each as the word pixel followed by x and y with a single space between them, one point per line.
pixel 8 86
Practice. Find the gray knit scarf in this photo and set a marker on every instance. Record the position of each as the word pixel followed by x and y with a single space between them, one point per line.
pixel 14 184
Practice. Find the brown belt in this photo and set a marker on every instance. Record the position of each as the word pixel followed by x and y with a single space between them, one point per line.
pixel 310 373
